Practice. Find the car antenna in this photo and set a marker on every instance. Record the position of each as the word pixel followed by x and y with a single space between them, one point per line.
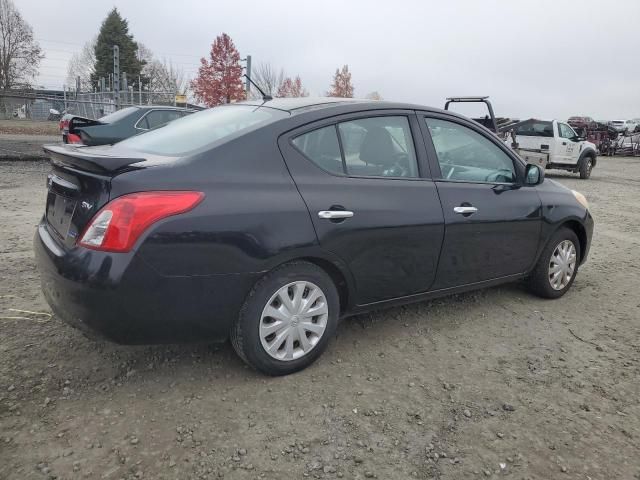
pixel 265 97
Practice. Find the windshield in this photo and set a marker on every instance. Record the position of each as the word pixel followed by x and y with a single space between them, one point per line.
pixel 119 115
pixel 535 128
pixel 202 129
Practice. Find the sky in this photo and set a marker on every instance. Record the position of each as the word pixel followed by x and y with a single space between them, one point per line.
pixel 543 59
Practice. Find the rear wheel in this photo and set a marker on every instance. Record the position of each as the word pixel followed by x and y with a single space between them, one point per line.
pixel 586 165
pixel 557 266
pixel 287 319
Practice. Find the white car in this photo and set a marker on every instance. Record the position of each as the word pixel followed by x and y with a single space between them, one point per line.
pixel 554 145
pixel 618 125
pixel 630 125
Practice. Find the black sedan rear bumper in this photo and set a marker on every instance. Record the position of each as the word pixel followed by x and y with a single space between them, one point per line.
pixel 120 297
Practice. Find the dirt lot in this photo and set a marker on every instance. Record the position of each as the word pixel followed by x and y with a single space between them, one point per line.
pixel 489 384
pixel 29 127
pixel 24 147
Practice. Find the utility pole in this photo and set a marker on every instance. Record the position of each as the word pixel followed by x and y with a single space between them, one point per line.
pixel 248 83
pixel 116 74
pixel 247 71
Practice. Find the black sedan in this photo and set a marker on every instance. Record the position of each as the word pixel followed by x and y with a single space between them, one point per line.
pixel 268 222
pixel 118 125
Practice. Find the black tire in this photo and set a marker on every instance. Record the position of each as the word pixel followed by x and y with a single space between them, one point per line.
pixel 539 281
pixel 245 334
pixel 586 165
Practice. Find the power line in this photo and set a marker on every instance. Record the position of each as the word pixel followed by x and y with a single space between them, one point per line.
pixel 82 45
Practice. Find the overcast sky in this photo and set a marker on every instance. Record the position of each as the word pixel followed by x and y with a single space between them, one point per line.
pixel 535 59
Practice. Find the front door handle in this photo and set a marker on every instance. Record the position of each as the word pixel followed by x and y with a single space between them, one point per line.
pixel 335 214
pixel 465 210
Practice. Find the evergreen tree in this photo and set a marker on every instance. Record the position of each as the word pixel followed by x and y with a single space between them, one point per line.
pixel 115 31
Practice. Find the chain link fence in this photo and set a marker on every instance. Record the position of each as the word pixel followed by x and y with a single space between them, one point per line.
pixel 38 106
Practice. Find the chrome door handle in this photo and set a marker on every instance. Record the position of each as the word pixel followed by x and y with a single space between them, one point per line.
pixel 333 214
pixel 465 210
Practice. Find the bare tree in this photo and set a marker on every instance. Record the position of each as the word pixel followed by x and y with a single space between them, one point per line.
pixel 163 76
pixel 82 64
pixel 20 54
pixel 144 53
pixel 268 78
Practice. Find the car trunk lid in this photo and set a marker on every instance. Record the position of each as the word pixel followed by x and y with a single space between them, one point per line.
pixel 78 186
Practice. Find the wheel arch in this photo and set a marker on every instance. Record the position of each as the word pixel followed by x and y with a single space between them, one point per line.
pixel 589 152
pixel 580 232
pixel 332 266
pixel 337 276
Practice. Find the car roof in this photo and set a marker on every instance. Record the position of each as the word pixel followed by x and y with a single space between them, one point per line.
pixel 304 104
pixel 163 107
pixel 291 104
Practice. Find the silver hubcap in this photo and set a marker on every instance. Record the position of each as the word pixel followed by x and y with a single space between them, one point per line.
pixel 293 321
pixel 562 265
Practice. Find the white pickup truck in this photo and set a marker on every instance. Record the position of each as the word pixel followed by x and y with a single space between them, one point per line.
pixel 553 144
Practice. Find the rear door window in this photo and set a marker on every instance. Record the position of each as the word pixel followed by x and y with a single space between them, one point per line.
pixel 157 118
pixel 535 128
pixel 379 147
pixel 371 147
pixel 322 148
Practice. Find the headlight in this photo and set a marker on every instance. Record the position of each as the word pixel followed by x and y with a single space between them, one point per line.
pixel 581 198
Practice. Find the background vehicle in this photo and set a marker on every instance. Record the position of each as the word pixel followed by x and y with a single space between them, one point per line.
pixel 55 115
pixel 631 126
pixel 553 144
pixel 268 221
pixel 117 126
pixel 581 122
pixel 618 125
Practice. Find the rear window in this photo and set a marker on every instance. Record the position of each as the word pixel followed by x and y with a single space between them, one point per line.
pixel 535 128
pixel 193 132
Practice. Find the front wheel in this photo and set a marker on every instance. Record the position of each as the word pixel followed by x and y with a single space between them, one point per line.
pixel 586 165
pixel 287 319
pixel 557 266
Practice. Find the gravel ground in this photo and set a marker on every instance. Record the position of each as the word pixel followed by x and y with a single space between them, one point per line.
pixel 483 385
pixel 15 146
pixel 29 127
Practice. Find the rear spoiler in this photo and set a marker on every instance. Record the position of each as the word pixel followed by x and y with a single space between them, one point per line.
pixel 89 161
pixel 76 121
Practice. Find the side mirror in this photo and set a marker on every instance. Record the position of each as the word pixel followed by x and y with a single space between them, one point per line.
pixel 578 138
pixel 533 175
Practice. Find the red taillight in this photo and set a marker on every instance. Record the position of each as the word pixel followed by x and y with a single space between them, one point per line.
pixel 73 138
pixel 119 224
pixel 64 124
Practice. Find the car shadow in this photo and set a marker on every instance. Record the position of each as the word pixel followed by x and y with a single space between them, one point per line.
pixel 220 360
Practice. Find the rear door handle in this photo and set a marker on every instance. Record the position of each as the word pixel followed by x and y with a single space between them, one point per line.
pixel 333 214
pixel 465 210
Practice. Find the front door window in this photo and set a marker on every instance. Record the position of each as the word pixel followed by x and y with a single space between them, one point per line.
pixel 465 155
